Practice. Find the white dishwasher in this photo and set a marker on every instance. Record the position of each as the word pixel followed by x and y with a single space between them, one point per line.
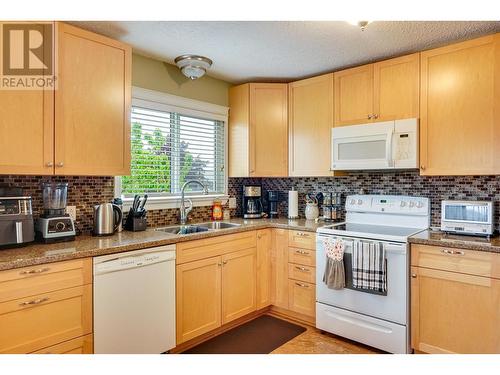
pixel 134 301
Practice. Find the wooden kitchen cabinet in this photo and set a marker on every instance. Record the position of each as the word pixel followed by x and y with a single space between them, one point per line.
pixel 279 268
pixel 92 104
pixel 264 256
pixel 216 282
pixel 80 345
pixel 383 91
pixel 258 130
pixel 354 95
pixel 27 132
pixel 310 124
pixel 302 297
pixel 83 126
pixel 238 284
pixel 459 107
pixel 198 297
pixel 45 305
pixel 453 310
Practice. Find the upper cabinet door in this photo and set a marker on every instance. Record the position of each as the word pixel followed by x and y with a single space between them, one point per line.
pixel 354 95
pixel 92 104
pixel 396 88
pixel 239 123
pixel 310 124
pixel 27 132
pixel 268 130
pixel 460 113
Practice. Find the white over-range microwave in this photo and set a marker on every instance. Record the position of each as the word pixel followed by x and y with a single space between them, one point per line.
pixel 381 145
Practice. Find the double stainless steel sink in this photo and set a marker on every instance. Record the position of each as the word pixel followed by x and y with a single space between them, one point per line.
pixel 196 228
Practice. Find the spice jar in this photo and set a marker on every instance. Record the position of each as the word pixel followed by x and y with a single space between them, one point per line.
pixel 217 210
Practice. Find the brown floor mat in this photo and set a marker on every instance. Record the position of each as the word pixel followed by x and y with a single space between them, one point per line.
pixel 259 336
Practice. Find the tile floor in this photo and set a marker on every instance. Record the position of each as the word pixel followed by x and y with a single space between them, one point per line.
pixel 313 341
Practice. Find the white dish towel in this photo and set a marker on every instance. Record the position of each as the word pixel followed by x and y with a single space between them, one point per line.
pixel 369 266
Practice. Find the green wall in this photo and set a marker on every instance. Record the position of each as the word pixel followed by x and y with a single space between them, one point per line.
pixel 157 75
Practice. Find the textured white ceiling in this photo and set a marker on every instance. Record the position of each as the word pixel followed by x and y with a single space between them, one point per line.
pixel 248 51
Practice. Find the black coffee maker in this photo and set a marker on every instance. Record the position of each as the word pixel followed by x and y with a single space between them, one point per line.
pixel 252 202
pixel 273 199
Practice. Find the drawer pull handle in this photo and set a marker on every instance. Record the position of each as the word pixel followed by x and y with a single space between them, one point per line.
pixel 302 285
pixel 31 272
pixel 34 302
pixel 302 252
pixel 302 268
pixel 302 234
pixel 452 252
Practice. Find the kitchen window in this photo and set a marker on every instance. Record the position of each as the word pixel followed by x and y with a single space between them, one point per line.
pixel 174 140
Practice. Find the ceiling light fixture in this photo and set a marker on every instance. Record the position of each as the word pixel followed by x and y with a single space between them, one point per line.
pixel 360 24
pixel 193 66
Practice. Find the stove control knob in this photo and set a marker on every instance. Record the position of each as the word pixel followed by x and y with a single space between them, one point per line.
pixel 352 201
pixel 360 201
pixel 60 226
pixel 420 204
pixel 403 204
pixel 412 204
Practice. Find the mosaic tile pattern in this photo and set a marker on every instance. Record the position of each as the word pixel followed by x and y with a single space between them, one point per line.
pixel 397 183
pixel 83 192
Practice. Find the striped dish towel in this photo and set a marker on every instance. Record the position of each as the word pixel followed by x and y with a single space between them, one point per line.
pixel 368 266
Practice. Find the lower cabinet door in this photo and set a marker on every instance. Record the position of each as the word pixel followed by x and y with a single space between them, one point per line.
pixel 302 297
pixel 454 313
pixel 33 323
pixel 238 284
pixel 264 249
pixel 198 298
pixel 80 345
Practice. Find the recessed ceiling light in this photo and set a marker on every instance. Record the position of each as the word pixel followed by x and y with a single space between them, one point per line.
pixel 193 66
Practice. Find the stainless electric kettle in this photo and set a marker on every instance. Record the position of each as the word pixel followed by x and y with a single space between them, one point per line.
pixel 107 218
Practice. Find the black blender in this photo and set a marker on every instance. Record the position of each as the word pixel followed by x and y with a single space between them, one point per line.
pixel 55 224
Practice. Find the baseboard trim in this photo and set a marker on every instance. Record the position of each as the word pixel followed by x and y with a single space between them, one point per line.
pixel 292 316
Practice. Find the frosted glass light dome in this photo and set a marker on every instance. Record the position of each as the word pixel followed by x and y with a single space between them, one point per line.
pixel 193 66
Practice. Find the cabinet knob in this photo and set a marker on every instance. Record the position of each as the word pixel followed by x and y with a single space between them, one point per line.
pixel 414 275
pixel 49 164
pixel 375 117
pixel 259 236
pixel 224 262
pixel 60 164
pixel 369 117
pixel 422 167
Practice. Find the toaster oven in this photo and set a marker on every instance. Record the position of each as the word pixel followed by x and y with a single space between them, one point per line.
pixel 467 217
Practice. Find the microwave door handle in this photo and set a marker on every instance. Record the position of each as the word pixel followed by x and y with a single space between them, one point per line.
pixel 388 150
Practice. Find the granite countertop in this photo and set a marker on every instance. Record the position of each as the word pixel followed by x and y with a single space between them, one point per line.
pixel 438 238
pixel 89 246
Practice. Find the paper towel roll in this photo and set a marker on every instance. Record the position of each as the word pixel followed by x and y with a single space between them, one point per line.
pixel 293 204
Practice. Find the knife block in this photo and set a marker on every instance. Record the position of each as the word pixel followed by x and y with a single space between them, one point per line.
pixel 135 224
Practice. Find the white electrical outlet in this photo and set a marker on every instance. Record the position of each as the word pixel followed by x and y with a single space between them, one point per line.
pixel 232 202
pixel 71 211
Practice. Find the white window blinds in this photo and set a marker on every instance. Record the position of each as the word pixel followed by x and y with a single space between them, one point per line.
pixel 170 148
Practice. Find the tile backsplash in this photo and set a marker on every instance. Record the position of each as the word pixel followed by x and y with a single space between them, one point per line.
pixel 84 192
pixel 437 188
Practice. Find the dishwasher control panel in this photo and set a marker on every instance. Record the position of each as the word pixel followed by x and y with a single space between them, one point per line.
pixel 132 259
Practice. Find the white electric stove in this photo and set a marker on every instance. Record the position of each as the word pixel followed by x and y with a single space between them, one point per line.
pixel 378 320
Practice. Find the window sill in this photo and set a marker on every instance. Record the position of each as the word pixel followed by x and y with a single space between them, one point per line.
pixel 162 203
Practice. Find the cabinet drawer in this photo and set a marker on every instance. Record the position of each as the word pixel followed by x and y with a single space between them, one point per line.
pixel 30 281
pixel 305 240
pixel 33 323
pixel 472 262
pixel 305 257
pixel 302 273
pixel 80 345
pixel 214 246
pixel 302 297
